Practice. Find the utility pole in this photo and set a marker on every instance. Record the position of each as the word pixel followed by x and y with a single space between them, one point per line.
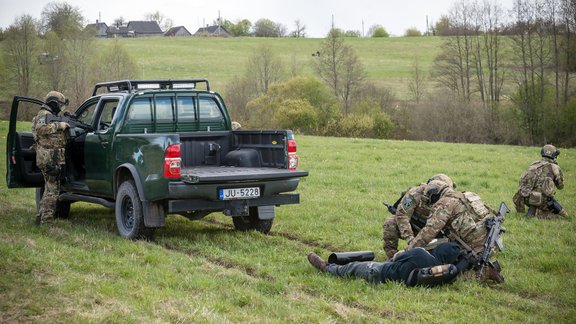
pixel 332 21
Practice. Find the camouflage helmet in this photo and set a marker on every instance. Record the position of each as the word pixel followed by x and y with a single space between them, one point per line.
pixel 57 97
pixel 434 190
pixel 549 151
pixel 443 177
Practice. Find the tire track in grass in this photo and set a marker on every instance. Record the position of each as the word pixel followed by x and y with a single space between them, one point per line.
pixel 254 273
pixel 289 236
pixel 227 264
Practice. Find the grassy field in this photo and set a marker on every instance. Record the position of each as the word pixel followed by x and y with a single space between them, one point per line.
pixel 387 61
pixel 80 270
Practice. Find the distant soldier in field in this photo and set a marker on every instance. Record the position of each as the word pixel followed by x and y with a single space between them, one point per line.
pixel 537 186
pixel 463 216
pixel 51 138
pixel 411 204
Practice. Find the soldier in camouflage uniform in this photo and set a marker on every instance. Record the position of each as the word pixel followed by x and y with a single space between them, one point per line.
pixel 537 186
pixel 51 139
pixel 463 215
pixel 398 226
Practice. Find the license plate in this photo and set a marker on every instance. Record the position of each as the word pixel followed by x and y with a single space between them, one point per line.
pixel 239 193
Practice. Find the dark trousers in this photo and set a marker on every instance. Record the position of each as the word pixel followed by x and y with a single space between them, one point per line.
pixel 400 268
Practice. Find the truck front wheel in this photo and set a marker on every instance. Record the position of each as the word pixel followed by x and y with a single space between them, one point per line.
pixel 129 213
pixel 252 222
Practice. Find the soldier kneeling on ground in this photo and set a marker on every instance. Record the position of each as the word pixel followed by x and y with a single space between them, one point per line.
pixel 537 186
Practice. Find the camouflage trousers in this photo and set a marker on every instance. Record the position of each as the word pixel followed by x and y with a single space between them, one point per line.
pixel 50 162
pixel 542 211
pixel 518 200
pixel 391 236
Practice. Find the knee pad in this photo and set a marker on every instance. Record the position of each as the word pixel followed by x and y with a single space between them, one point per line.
pixel 432 276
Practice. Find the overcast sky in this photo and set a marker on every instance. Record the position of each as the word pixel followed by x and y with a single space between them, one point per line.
pixel 316 15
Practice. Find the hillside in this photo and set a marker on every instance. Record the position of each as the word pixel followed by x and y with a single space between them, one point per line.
pixel 388 61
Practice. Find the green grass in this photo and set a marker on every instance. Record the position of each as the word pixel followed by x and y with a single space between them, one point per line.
pixel 80 270
pixel 388 62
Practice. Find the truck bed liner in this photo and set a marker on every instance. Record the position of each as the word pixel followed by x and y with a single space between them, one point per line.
pixel 227 173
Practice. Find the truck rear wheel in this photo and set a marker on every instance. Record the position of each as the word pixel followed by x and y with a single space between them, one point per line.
pixel 252 222
pixel 129 213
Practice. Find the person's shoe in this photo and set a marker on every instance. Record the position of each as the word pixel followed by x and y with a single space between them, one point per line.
pixel 563 213
pixel 316 261
pixel 493 274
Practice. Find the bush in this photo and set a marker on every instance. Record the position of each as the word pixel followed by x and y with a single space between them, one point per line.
pixel 352 125
pixel 297 114
pixel 412 32
pixel 380 32
pixel 383 125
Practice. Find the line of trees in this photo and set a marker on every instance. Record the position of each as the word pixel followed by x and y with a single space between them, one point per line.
pixel 56 53
pixel 531 57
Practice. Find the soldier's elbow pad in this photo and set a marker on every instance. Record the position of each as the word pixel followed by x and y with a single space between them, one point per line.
pixel 432 276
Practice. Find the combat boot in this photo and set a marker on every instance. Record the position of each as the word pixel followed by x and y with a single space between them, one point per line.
pixel 316 261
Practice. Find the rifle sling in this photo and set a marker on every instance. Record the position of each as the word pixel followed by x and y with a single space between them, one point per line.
pixel 457 238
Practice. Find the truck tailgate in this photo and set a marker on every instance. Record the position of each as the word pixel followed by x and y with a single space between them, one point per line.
pixel 206 174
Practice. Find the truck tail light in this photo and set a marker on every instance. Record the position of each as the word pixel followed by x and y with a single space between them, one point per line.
pixel 292 156
pixel 172 162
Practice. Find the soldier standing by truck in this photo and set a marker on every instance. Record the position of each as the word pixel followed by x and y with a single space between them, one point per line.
pixel 536 188
pixel 50 138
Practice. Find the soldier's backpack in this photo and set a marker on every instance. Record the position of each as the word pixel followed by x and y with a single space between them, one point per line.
pixel 534 183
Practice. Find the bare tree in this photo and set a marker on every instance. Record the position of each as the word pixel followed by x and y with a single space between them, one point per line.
pixel 116 64
pixel 300 29
pixel 264 69
pixel 416 83
pixel 533 55
pixel 53 61
pixel 164 22
pixel 61 18
pixel 453 67
pixel 340 68
pixel 488 56
pixel 79 54
pixel 20 49
pixel 120 21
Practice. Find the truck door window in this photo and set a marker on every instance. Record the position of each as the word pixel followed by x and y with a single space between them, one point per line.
pixel 209 110
pixel 86 115
pixel 107 113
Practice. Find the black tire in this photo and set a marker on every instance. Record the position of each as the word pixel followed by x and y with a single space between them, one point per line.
pixel 129 213
pixel 252 223
pixel 62 207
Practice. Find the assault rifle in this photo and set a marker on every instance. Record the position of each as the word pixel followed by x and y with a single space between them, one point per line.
pixel 70 119
pixel 495 229
pixel 417 222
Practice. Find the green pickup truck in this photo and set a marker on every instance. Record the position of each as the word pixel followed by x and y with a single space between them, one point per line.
pixel 150 148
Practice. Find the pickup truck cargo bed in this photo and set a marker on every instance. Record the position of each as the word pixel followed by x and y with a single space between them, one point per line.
pixel 227 174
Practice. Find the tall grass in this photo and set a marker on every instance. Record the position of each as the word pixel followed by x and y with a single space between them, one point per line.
pixel 80 270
